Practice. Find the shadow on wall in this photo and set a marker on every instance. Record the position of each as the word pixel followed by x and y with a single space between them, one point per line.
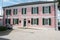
pixel 3 39
pixel 3 33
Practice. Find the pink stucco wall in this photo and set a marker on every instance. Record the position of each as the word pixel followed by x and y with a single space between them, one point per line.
pixel 40 14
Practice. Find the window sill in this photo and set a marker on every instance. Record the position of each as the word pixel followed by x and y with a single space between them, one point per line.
pixel 46 25
pixel 15 24
pixel 46 13
pixel 8 15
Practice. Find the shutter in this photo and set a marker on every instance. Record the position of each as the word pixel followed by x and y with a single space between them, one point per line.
pixel 43 21
pixel 43 10
pixel 13 21
pixel 49 21
pixel 37 10
pixel 17 21
pixel 9 20
pixel 32 21
pixel 25 10
pixel 37 21
pixel 32 10
pixel 49 9
pixel 22 10
pixel 6 21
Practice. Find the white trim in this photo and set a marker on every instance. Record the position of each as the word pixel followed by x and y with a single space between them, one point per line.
pixel 31 16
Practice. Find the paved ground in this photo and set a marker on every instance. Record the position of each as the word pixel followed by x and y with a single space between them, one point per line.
pixel 30 34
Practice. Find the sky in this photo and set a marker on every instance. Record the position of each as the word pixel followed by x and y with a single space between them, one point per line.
pixel 12 2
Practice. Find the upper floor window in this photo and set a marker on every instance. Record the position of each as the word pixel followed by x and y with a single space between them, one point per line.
pixel 23 10
pixel 14 11
pixel 15 21
pixel 46 9
pixel 34 10
pixel 8 12
pixel 46 21
pixel 34 21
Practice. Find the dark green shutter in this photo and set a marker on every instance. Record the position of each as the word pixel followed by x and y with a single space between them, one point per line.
pixel 9 21
pixel 32 21
pixel 22 10
pixel 43 10
pixel 25 10
pixel 32 10
pixel 49 9
pixel 37 10
pixel 13 21
pixel 43 21
pixel 17 21
pixel 37 21
pixel 6 21
pixel 49 21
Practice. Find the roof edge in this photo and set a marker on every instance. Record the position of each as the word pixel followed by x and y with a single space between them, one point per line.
pixel 30 3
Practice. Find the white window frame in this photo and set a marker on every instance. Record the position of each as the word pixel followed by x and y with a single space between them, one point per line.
pixel 45 22
pixel 46 9
pixel 34 8
pixel 24 9
pixel 34 21
pixel 14 12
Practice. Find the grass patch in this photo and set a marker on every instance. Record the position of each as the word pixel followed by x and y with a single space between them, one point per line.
pixel 3 28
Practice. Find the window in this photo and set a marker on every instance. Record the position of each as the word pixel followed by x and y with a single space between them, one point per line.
pixel 8 12
pixel 46 21
pixel 23 10
pixel 34 21
pixel 58 23
pixel 46 9
pixel 14 11
pixel 34 10
pixel 7 21
pixel 15 21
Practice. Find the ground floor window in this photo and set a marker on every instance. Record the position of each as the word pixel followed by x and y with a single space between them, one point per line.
pixel 46 21
pixel 15 21
pixel 7 21
pixel 34 21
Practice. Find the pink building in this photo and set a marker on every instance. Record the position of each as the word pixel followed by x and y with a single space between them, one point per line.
pixel 39 14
